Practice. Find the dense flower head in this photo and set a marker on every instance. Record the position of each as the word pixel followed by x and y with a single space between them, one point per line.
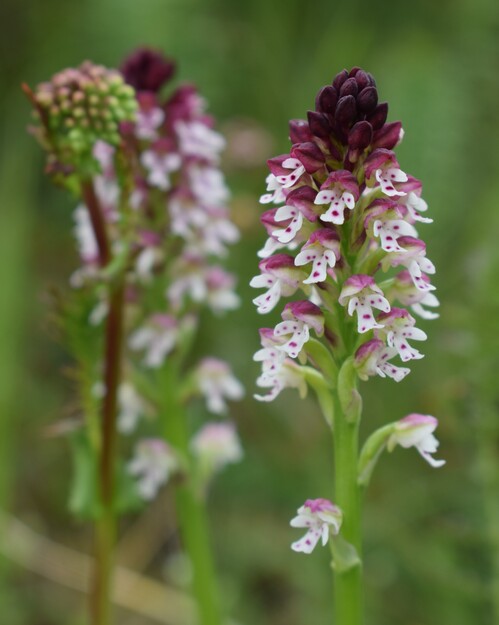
pixel 341 215
pixel 78 107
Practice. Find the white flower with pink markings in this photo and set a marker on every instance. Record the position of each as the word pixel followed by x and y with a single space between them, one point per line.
pixel 321 518
pixel 398 328
pixel 322 250
pixel 416 430
pixel 361 294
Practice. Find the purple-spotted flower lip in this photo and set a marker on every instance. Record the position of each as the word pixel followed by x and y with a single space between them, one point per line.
pixel 343 179
pixel 305 311
pixel 377 159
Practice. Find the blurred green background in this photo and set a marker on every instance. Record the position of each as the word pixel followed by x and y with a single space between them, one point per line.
pixel 432 537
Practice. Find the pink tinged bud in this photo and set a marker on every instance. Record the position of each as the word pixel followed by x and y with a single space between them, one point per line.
pixel 416 430
pixel 372 358
pixel 216 383
pixel 299 132
pixel 398 328
pixel 310 155
pixel 361 294
pixel 389 136
pixel 321 518
pixel 323 250
pixel 216 445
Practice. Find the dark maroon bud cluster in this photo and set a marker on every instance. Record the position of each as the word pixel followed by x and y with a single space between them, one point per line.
pixel 147 70
pixel 347 121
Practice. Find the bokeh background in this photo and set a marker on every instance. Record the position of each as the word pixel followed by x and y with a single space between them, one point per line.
pixel 432 537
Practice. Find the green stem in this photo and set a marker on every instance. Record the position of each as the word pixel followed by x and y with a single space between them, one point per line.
pixel 105 525
pixel 348 583
pixel 191 513
pixel 489 474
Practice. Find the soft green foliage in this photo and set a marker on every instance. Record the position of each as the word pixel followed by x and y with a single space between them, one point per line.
pixel 432 540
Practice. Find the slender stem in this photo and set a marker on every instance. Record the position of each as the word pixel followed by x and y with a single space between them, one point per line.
pixel 348 584
pixel 489 473
pixel 191 513
pixel 105 527
pixel 98 223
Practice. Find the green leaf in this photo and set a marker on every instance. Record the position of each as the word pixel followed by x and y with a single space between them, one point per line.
pixel 83 498
pixel 345 556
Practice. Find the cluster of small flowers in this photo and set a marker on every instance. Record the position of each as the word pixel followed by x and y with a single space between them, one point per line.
pixel 181 189
pixel 154 167
pixel 322 518
pixel 349 211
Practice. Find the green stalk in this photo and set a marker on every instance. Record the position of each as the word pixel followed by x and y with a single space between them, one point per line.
pixel 191 512
pixel 348 583
pixel 105 525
